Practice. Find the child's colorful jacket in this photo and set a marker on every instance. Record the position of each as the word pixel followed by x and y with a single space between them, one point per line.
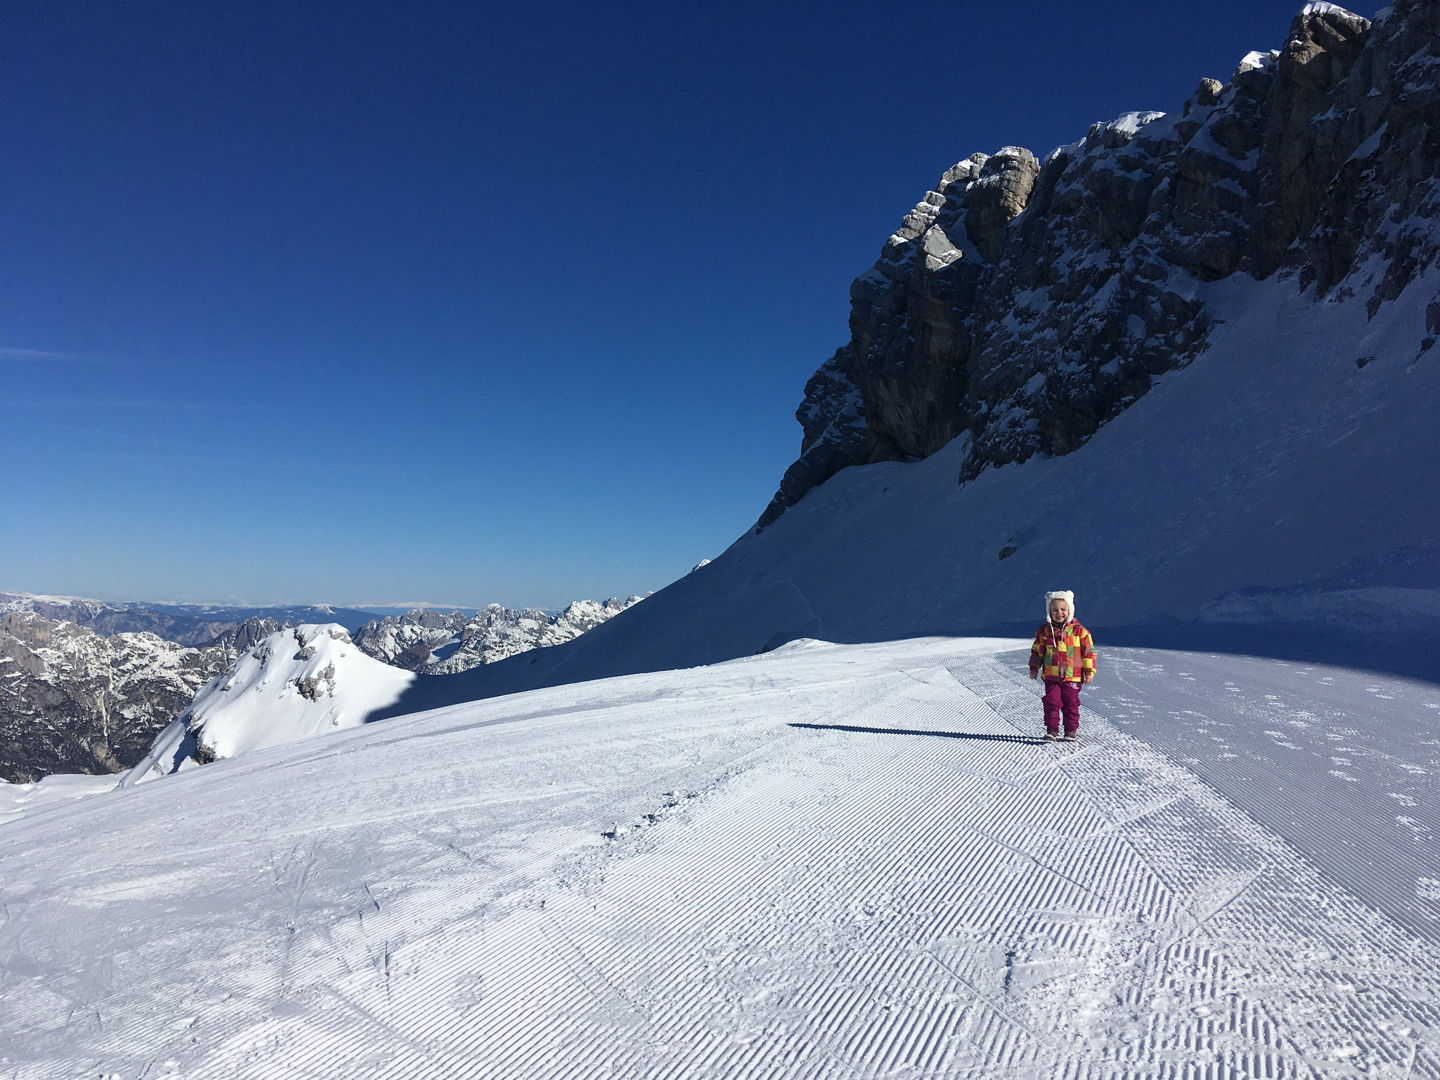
pixel 1064 655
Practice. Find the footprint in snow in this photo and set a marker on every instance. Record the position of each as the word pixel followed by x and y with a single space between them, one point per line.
pixel 469 992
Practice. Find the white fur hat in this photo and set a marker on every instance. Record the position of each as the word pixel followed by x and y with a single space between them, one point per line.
pixel 1060 594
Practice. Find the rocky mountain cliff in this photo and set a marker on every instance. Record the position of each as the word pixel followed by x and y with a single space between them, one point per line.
pixel 437 643
pixel 75 701
pixel 1022 304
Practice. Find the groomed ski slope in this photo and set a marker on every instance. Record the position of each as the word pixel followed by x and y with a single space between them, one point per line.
pixel 827 861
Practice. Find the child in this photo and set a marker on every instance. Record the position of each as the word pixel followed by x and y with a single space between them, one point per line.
pixel 1064 655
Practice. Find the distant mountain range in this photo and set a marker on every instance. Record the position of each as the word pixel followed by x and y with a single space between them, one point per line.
pixel 439 643
pixel 85 685
pixel 184 624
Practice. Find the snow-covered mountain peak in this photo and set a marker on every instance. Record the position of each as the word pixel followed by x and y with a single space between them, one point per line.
pixel 300 682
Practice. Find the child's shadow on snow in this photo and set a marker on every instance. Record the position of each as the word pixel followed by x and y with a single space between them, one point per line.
pixel 1027 740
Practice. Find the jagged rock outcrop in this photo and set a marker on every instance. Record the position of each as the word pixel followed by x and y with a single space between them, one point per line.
pixel 410 641
pixel 1021 305
pixel 74 701
pixel 436 643
pixel 245 635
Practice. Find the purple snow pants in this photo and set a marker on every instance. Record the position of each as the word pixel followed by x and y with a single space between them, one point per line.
pixel 1061 696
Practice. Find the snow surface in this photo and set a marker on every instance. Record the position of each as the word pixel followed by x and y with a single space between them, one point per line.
pixel 1319 7
pixel 19 799
pixel 827 861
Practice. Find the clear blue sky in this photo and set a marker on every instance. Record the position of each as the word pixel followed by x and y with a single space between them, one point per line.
pixel 378 303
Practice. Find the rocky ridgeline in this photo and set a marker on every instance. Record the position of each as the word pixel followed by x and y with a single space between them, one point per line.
pixel 1023 304
pixel 446 643
pixel 75 701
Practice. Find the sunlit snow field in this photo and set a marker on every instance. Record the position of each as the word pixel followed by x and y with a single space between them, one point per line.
pixel 827 861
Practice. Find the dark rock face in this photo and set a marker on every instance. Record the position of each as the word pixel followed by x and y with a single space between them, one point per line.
pixel 1022 305
pixel 244 636
pixel 72 701
pixel 409 641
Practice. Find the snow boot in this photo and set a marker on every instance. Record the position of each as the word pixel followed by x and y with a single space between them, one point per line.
pixel 1072 736
pixel 1051 736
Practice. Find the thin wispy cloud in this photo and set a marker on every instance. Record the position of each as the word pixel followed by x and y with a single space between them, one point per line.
pixel 167 451
pixel 41 356
pixel 155 404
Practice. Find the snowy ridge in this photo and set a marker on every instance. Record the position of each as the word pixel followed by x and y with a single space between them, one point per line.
pixel 298 683
pixel 824 862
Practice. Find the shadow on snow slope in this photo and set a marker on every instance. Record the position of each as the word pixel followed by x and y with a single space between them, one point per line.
pixel 1025 740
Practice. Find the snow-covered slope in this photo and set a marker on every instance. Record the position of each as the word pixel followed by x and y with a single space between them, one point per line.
pixel 298 683
pixel 16 800
pixel 822 862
